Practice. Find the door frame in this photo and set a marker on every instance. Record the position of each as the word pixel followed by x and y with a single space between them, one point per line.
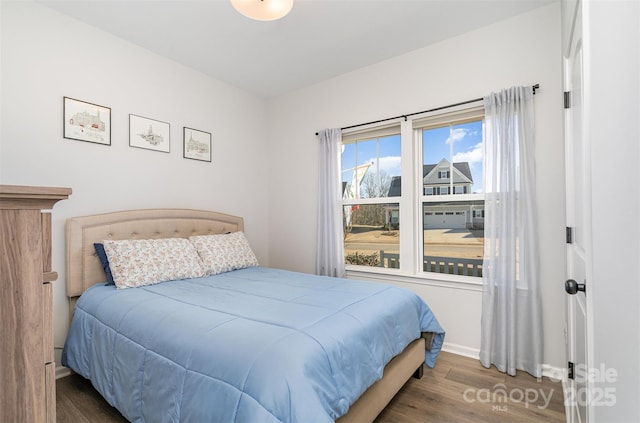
pixel 577 12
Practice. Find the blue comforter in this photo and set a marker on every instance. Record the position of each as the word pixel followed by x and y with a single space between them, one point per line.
pixel 252 345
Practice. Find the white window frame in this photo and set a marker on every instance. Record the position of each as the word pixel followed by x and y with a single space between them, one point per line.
pixel 368 133
pixel 448 119
pixel 411 210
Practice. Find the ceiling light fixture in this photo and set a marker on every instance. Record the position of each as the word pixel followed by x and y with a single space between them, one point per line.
pixel 263 10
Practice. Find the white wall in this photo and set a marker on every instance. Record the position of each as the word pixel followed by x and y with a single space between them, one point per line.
pixel 612 104
pixel 46 55
pixel 520 51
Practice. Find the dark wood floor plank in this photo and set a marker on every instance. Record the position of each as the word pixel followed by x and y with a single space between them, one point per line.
pixel 78 402
pixel 458 389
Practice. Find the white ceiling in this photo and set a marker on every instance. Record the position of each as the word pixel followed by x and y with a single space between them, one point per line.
pixel 318 40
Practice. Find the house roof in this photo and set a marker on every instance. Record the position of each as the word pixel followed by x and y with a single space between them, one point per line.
pixel 395 187
pixel 463 167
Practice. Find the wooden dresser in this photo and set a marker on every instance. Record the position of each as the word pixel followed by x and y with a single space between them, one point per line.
pixel 27 368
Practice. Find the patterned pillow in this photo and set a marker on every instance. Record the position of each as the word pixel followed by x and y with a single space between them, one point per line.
pixel 223 253
pixel 139 262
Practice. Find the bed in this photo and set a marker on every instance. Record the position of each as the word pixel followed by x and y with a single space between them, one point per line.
pixel 253 344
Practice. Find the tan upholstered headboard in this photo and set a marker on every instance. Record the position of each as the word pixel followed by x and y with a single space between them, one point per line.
pixel 83 266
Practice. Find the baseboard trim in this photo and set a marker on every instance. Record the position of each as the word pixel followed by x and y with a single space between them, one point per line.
pixel 557 374
pixel 62 371
pixel 461 350
pixel 568 411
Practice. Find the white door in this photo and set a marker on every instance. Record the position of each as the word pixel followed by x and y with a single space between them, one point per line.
pixel 578 216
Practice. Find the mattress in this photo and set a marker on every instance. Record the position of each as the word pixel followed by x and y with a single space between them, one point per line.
pixel 251 345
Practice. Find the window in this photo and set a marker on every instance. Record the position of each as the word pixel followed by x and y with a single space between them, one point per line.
pixel 371 166
pixel 444 204
pixel 453 243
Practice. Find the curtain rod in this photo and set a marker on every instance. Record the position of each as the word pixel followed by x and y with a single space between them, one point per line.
pixel 462 103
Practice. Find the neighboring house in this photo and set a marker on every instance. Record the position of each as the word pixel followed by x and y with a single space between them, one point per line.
pixel 444 179
pixel 436 179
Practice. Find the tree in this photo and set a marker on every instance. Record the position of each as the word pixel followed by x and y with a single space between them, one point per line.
pixel 375 185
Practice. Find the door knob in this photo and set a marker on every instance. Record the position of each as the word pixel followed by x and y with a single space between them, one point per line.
pixel 572 287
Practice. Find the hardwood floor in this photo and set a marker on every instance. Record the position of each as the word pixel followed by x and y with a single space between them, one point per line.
pixel 460 389
pixel 78 402
pixel 457 390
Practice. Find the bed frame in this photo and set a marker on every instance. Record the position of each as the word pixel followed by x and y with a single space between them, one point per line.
pixel 84 270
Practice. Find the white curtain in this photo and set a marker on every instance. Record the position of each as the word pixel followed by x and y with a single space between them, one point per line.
pixel 330 252
pixel 511 324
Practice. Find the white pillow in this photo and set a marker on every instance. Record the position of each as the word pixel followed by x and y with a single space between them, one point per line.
pixel 225 252
pixel 139 262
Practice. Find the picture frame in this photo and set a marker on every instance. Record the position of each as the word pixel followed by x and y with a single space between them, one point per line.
pixel 149 134
pixel 84 121
pixel 196 144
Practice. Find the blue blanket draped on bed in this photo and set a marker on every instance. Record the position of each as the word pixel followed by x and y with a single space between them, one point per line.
pixel 252 345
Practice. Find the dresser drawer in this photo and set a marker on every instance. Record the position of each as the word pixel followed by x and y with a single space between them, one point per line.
pixel 27 368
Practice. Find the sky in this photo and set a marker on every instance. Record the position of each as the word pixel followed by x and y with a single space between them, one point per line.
pixel 458 143
pixel 466 147
pixel 383 152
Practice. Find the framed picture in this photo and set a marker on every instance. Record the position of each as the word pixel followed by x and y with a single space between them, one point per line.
pixel 149 133
pixel 86 121
pixel 196 144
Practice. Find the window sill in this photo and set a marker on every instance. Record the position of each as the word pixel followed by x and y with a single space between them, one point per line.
pixel 431 279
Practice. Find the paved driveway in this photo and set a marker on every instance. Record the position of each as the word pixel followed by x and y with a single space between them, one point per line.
pixel 461 243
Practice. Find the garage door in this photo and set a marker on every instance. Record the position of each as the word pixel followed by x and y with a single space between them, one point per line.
pixel 444 220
